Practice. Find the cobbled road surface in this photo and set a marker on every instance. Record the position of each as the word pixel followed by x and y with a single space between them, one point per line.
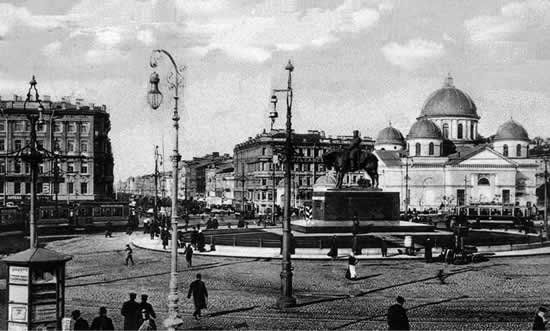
pixel 500 294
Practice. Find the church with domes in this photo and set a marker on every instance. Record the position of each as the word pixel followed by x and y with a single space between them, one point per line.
pixel 443 160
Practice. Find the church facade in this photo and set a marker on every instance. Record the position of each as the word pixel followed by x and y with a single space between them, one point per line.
pixel 444 161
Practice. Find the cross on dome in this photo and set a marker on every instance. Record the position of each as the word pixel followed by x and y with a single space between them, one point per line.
pixel 449 81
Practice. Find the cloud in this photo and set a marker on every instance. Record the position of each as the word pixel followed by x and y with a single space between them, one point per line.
pixel 52 48
pixel 517 20
pixel 11 16
pixel 110 36
pixel 146 37
pixel 413 54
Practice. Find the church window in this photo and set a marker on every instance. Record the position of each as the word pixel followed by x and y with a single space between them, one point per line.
pixel 505 150
pixel 518 150
pixel 417 149
pixel 483 181
pixel 446 130
pixel 431 149
pixel 460 129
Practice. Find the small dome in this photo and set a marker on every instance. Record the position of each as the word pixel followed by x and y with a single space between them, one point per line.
pixel 511 130
pixel 390 135
pixel 424 128
pixel 449 101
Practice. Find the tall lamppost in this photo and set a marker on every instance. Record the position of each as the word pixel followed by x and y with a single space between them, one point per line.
pixel 286 299
pixel 154 97
pixel 155 206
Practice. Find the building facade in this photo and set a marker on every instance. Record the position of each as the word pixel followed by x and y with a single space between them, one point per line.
pixel 444 161
pixel 78 134
pixel 259 167
pixel 220 183
pixel 193 180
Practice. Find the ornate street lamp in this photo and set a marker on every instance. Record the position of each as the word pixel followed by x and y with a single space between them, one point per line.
pixel 154 97
pixel 286 299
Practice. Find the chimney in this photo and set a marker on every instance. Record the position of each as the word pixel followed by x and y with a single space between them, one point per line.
pixel 15 97
pixel 103 107
pixel 215 154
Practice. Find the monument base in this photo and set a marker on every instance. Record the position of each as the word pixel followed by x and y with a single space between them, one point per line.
pixel 320 226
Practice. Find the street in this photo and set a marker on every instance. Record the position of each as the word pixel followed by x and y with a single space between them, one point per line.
pixel 499 294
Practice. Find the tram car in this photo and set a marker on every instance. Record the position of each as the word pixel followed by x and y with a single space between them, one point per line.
pixel 83 215
pixel 496 216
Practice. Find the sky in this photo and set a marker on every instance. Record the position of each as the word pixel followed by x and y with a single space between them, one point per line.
pixel 358 64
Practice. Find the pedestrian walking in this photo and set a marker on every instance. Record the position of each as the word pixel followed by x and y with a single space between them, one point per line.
pixel 146 322
pixel 109 230
pixel 130 310
pixel 356 247
pixel 352 263
pixel 129 256
pixel 333 252
pixel 201 241
pixel 194 237
pixel 383 248
pixel 164 234
pixel 102 322
pixel 428 245
pixel 147 306
pixel 79 322
pixel 197 289
pixel 188 252
pixel 397 316
pixel 441 276
pixel 540 319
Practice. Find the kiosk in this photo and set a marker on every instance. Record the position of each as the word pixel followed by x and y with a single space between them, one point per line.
pixel 36 289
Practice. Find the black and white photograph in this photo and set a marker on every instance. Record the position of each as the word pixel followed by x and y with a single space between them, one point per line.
pixel 274 164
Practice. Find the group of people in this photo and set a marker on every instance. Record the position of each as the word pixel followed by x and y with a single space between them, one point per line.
pixel 138 315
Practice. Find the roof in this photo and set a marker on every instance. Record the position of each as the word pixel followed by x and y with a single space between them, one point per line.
pixel 390 135
pixel 37 255
pixel 389 158
pixel 424 128
pixel 449 101
pixel 459 157
pixel 511 130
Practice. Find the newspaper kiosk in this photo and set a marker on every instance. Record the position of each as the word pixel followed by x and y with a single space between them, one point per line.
pixel 36 289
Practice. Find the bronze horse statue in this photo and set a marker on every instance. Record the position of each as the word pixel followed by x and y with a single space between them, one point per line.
pixel 340 161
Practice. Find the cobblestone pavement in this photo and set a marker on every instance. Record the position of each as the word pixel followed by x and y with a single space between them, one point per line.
pixel 500 294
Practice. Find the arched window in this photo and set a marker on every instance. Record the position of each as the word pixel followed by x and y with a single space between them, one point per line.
pixel 431 149
pixel 505 150
pixel 459 133
pixel 382 149
pixel 472 131
pixel 483 181
pixel 417 149
pixel 518 150
pixel 446 130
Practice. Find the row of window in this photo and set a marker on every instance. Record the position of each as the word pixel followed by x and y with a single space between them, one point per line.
pixel 18 188
pixel 315 152
pixel 72 127
pixel 505 150
pixel 71 145
pixel 418 149
pixel 268 166
pixel 17 167
pixel 460 134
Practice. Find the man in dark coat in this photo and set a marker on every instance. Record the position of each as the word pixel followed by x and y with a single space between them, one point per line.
pixel 188 252
pixel 428 245
pixel 200 295
pixel 540 319
pixel 79 322
pixel 201 241
pixel 147 306
pixel 131 311
pixel 164 235
pixel 102 322
pixel 397 316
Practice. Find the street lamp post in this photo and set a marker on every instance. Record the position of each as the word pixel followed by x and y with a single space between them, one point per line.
pixel 154 97
pixel 286 299
pixel 155 206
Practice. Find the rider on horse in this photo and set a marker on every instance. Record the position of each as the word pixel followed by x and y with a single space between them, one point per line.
pixel 354 151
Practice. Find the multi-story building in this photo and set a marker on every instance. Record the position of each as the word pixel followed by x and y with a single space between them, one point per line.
pixel 220 183
pixel 78 134
pixel 259 170
pixel 192 181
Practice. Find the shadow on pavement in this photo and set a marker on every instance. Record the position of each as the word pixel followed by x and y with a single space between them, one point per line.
pixel 225 312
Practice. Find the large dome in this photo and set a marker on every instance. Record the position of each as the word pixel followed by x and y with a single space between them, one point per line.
pixel 390 135
pixel 424 128
pixel 449 101
pixel 511 130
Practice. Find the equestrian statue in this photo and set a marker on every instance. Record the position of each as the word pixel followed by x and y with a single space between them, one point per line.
pixel 352 159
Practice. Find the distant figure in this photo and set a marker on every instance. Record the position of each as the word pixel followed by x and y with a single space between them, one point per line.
pixel 200 295
pixel 333 253
pixel 188 252
pixel 146 323
pixel 147 306
pixel 201 241
pixel 397 316
pixel 164 234
pixel 129 256
pixel 351 272
pixel 194 237
pixel 540 319
pixel 109 230
pixel 383 248
pixel 441 276
pixel 130 310
pixel 428 245
pixel 79 322
pixel 102 322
